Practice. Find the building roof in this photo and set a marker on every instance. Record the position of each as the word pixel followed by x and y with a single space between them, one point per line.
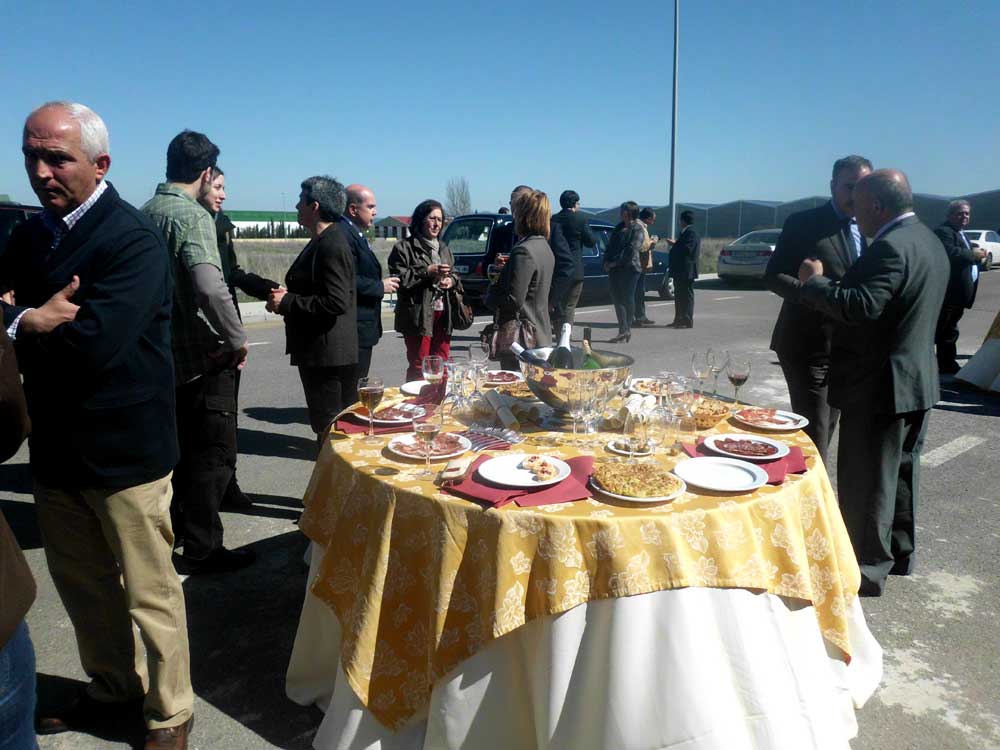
pixel 393 221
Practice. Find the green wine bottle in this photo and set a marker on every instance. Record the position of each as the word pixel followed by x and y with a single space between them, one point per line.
pixel 589 361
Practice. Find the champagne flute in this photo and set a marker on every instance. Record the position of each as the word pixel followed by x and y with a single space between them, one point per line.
pixel 699 368
pixel 432 368
pixel 632 432
pixel 738 372
pixel 427 430
pixel 370 391
pixel 717 362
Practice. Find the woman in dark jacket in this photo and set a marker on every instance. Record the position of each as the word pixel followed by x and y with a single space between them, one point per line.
pixel 423 308
pixel 319 304
pixel 622 263
pixel 522 291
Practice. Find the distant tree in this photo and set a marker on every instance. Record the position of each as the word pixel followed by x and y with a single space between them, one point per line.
pixel 458 198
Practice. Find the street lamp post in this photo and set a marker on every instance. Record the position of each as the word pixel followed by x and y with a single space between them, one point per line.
pixel 673 128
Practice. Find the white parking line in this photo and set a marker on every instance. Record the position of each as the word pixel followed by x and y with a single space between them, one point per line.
pixel 258 343
pixel 589 311
pixel 950 450
pixel 658 304
pixel 720 299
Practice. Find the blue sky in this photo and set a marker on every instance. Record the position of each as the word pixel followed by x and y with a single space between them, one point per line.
pixel 556 95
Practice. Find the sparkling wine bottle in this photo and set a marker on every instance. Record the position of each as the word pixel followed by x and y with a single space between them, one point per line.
pixel 528 357
pixel 562 356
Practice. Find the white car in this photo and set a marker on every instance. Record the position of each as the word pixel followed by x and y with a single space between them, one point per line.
pixel 988 241
pixel 747 257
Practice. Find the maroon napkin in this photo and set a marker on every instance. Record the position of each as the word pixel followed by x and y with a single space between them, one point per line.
pixel 354 424
pixel 432 393
pixel 793 463
pixel 573 487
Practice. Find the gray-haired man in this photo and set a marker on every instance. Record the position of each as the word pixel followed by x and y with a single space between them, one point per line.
pixel 963 282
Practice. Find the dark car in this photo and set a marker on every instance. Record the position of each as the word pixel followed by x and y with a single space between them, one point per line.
pixel 475 240
pixel 12 214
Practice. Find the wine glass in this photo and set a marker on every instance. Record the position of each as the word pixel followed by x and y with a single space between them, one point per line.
pixel 480 352
pixel 426 430
pixel 738 372
pixel 370 392
pixel 433 369
pixel 457 375
pixel 699 368
pixel 493 272
pixel 717 362
pixel 632 433
pixel 576 401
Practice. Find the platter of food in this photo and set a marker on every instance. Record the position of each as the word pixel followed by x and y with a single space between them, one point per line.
pixel 653 387
pixel 721 474
pixel 636 483
pixel 523 470
pixel 445 445
pixel 620 446
pixel 503 377
pixel 413 388
pixel 394 415
pixel 747 447
pixel 770 419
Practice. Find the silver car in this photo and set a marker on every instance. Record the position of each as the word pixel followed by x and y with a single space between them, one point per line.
pixel 747 257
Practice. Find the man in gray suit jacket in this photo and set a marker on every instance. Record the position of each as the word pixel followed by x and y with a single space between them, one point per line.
pixel 801 337
pixel 883 376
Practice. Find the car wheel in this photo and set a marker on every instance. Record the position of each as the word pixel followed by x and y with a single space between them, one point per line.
pixel 989 262
pixel 666 290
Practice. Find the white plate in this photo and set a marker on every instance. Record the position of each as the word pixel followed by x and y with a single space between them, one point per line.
pixel 624 451
pixel 794 421
pixel 712 440
pixel 507 471
pixel 721 474
pixel 418 412
pixel 628 498
pixel 411 438
pixel 490 373
pixel 413 387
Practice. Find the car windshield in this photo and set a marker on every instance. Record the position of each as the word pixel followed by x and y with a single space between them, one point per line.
pixel 468 236
pixel 766 238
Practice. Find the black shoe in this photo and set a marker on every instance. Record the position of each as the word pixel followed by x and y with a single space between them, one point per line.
pixel 620 338
pixel 645 322
pixel 235 498
pixel 221 560
pixel 869 587
pixel 948 368
pixel 83 713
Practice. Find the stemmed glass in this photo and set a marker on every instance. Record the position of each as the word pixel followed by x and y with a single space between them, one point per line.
pixel 632 430
pixel 432 367
pixel 661 429
pixel 592 403
pixel 699 368
pixel 576 400
pixel 370 392
pixel 717 362
pixel 457 373
pixel 738 372
pixel 427 430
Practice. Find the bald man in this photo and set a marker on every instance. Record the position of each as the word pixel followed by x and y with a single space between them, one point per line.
pixel 359 215
pixel 883 374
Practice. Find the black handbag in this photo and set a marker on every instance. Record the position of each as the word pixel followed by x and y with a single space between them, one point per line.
pixel 461 313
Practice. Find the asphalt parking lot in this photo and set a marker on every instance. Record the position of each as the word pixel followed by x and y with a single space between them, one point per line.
pixel 938 628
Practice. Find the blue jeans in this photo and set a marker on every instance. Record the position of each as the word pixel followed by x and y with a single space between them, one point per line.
pixel 17 692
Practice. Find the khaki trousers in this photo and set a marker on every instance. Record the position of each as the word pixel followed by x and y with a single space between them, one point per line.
pixel 109 553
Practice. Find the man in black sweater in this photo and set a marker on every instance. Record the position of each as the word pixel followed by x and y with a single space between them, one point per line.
pixel 963 282
pixel 92 329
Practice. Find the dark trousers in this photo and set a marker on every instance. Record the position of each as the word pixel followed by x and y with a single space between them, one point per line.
pixel 364 365
pixel 878 480
pixel 683 300
pixel 623 281
pixel 946 337
pixel 326 390
pixel 564 298
pixel 807 390
pixel 640 297
pixel 206 432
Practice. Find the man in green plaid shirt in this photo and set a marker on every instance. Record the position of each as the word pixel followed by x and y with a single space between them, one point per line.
pixel 209 345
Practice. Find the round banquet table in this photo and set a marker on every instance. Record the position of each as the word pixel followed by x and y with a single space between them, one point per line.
pixel 715 621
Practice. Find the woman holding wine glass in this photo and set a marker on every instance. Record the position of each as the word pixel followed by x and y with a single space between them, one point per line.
pixel 423 309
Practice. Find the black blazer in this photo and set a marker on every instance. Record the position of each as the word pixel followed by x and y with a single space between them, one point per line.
pixel 370 291
pixel 800 331
pixel 570 233
pixel 100 389
pixel 236 277
pixel 321 325
pixel 961 288
pixel 885 310
pixel 684 255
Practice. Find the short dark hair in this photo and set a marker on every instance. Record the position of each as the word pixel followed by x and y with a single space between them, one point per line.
pixel 421 212
pixel 188 155
pixel 630 209
pixel 328 193
pixel 687 217
pixel 852 162
pixel 647 213
pixel 569 198
pixel 503 210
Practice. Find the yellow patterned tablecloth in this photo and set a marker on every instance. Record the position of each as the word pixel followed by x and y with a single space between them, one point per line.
pixel 420 580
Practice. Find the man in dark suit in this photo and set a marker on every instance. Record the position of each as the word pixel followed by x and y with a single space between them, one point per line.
pixel 569 234
pixel 963 283
pixel 357 219
pixel 99 380
pixel 801 336
pixel 683 269
pixel 883 376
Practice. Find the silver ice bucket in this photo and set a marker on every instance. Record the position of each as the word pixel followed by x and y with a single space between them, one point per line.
pixel 554 387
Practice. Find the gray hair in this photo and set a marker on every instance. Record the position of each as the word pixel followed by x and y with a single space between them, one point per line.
pixel 890 188
pixel 93 132
pixel 957 204
pixel 328 193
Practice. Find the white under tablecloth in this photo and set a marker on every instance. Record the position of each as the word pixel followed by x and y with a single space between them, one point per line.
pixel 686 669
